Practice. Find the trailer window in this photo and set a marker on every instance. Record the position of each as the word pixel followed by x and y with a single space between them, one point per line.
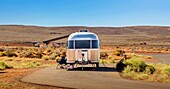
pixel 82 44
pixel 71 44
pixel 95 44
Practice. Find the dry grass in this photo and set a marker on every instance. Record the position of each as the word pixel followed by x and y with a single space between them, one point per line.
pixel 26 57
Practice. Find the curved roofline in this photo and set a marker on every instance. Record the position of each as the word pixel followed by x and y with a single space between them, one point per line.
pixel 83 36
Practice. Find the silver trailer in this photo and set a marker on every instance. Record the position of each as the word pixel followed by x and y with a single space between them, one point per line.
pixel 83 48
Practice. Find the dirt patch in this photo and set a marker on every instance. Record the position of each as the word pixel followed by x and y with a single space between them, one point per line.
pixel 10 79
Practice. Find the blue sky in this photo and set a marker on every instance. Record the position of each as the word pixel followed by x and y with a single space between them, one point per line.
pixel 85 12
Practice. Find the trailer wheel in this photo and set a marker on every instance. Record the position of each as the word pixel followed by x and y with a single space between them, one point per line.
pixel 97 65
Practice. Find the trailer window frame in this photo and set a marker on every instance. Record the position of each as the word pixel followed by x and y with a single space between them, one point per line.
pixel 82 44
pixel 71 44
pixel 92 44
pixel 95 44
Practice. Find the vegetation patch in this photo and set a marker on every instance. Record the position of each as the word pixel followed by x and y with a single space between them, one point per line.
pixel 103 61
pixel 3 65
pixel 119 52
pixel 45 58
pixel 103 55
pixel 28 57
pixel 7 85
pixel 136 68
pixel 22 63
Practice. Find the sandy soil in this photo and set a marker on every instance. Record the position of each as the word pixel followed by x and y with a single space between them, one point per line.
pixel 10 79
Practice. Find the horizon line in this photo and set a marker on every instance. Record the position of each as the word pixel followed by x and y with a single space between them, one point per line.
pixel 80 25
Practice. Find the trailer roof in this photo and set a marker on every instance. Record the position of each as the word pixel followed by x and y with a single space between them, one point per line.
pixel 83 36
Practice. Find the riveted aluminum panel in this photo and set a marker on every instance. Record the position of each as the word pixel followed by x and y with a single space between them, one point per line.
pixel 94 55
pixel 71 55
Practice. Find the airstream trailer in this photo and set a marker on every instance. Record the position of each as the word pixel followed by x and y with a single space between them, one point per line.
pixel 83 48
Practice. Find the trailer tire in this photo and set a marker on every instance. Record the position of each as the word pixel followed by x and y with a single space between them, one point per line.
pixel 97 65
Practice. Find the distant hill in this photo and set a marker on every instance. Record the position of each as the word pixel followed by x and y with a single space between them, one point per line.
pixel 153 35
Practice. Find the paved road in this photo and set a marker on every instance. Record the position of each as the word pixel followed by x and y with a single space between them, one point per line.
pixel 163 58
pixel 104 78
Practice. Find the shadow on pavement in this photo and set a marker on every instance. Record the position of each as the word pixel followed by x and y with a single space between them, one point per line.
pixel 100 69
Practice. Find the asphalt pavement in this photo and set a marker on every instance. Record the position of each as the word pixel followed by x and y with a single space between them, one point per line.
pixel 89 78
pixel 162 58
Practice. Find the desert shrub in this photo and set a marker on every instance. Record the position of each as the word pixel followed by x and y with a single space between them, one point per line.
pixel 45 58
pixel 30 53
pixel 33 64
pixel 162 69
pixel 119 52
pixel 149 69
pixel 38 54
pixel 53 56
pixel 63 53
pixel 112 60
pixel 26 54
pixel 127 72
pixel 19 48
pixel 102 61
pixel 48 50
pixel 149 57
pixel 57 53
pixel 3 66
pixel 103 55
pixel 22 64
pixel 162 78
pixel 2 54
pixel 58 59
pixel 166 70
pixel 9 59
pixel 10 53
pixel 150 72
pixel 9 66
pixel 130 73
pixel 2 49
pixel 136 68
pixel 137 65
pixel 127 69
pixel 132 55
pixel 109 57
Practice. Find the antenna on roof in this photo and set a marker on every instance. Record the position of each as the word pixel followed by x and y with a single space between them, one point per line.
pixel 83 30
